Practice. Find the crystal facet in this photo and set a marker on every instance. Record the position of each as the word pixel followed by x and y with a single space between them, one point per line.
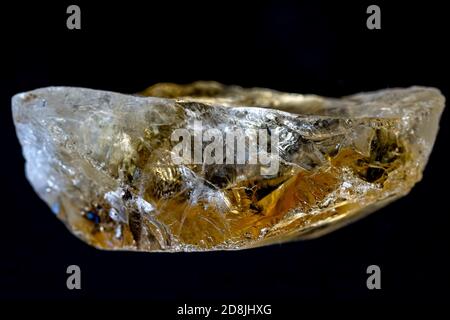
pixel 104 162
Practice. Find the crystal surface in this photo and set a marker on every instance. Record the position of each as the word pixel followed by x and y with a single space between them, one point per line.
pixel 103 162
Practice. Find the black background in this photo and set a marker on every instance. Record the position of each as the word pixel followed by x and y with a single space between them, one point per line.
pixel 308 47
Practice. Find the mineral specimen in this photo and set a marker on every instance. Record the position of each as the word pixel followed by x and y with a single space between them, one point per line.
pixel 108 166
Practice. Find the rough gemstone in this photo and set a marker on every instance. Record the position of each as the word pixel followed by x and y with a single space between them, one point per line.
pixel 104 163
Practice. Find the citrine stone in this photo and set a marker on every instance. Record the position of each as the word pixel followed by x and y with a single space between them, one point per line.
pixel 103 162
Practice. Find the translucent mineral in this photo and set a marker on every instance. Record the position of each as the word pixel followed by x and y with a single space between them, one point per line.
pixel 104 162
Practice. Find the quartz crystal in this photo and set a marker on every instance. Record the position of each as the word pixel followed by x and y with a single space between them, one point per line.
pixel 104 164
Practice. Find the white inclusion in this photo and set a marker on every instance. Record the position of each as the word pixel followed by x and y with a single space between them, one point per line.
pixel 114 198
pixel 144 206
pixel 114 214
pixel 118 232
pixel 125 143
pixel 220 200
pixel 346 185
pixel 263 232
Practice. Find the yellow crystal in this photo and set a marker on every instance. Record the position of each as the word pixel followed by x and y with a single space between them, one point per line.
pixel 104 163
